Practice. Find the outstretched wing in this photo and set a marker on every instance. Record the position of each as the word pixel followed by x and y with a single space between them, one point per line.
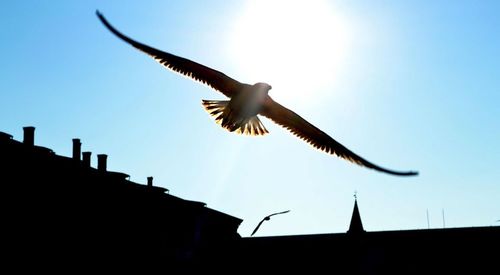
pixel 186 67
pixel 279 213
pixel 267 218
pixel 258 226
pixel 317 138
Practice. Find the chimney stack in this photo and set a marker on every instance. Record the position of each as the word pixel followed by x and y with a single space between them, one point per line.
pixel 150 181
pixel 86 158
pixel 101 162
pixel 77 149
pixel 29 135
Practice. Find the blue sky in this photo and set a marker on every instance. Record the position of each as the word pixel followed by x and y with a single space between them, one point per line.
pixel 405 84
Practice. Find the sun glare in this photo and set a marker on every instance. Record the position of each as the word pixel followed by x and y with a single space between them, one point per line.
pixel 296 46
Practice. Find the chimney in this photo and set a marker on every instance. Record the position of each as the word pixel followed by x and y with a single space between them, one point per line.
pixel 150 181
pixel 29 135
pixel 77 149
pixel 86 158
pixel 101 162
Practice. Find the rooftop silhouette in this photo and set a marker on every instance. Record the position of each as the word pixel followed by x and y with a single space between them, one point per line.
pixel 62 212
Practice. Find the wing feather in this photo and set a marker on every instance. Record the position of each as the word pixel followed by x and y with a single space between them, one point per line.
pixel 317 138
pixel 213 78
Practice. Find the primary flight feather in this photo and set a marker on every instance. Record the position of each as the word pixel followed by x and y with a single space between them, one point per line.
pixel 240 113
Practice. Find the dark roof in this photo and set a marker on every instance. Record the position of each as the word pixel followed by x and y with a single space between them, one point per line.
pixel 45 155
pixel 5 136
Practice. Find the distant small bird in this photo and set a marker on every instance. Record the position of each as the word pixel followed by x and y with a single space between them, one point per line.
pixel 247 101
pixel 266 219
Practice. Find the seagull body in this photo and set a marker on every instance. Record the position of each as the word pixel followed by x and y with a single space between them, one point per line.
pixel 267 218
pixel 240 113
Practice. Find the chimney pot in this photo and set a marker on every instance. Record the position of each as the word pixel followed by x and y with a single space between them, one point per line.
pixel 77 148
pixel 29 135
pixel 102 162
pixel 150 181
pixel 86 158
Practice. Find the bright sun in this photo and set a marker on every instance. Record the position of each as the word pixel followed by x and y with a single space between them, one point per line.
pixel 296 46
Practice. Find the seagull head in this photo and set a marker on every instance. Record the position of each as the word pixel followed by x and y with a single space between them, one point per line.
pixel 261 90
pixel 262 87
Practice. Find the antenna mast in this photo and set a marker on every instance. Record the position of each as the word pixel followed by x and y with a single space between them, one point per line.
pixel 428 223
pixel 444 223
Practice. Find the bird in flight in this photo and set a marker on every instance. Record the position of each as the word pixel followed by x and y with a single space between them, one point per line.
pixel 266 219
pixel 241 113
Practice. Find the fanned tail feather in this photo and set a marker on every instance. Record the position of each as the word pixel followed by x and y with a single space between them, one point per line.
pixel 215 108
pixel 251 126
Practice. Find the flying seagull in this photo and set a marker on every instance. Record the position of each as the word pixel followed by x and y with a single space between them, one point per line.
pixel 240 113
pixel 266 219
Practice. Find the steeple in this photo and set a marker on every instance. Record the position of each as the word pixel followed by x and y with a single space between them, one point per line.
pixel 356 225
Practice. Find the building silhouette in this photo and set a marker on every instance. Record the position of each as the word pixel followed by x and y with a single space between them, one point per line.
pixel 59 211
pixel 430 251
pixel 61 214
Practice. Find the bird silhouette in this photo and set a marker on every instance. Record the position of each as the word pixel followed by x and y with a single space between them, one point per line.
pixel 266 219
pixel 240 113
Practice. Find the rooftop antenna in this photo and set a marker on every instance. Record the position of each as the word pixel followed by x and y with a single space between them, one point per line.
pixel 444 223
pixel 428 223
pixel 355 194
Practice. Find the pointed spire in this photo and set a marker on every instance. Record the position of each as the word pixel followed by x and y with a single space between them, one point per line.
pixel 356 225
